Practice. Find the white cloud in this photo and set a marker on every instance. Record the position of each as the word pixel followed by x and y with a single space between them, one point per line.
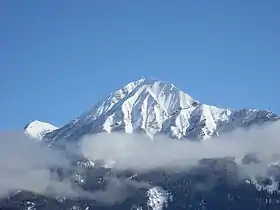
pixel 25 165
pixel 139 153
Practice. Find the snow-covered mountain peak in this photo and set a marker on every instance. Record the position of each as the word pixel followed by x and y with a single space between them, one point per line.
pixel 37 129
pixel 165 95
pixel 156 106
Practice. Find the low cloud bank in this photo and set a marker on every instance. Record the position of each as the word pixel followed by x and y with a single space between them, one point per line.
pixel 25 163
pixel 139 153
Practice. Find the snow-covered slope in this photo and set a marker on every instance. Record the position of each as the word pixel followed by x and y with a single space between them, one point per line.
pixel 156 107
pixel 38 129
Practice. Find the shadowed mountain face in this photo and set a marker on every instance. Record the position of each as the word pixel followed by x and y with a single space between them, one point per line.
pixel 213 184
pixel 151 108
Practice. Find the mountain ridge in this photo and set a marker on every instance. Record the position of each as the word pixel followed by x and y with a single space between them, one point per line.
pixel 156 106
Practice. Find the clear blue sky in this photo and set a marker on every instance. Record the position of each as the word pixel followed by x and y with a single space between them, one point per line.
pixel 57 58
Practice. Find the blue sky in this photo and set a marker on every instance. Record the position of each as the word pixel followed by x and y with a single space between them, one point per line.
pixel 57 58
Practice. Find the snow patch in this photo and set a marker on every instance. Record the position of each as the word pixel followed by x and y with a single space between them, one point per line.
pixel 38 129
pixel 158 198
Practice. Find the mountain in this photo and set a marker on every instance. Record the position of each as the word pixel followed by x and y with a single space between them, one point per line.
pixel 155 106
pixel 37 129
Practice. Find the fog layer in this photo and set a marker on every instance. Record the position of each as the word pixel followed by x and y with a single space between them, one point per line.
pixel 140 153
